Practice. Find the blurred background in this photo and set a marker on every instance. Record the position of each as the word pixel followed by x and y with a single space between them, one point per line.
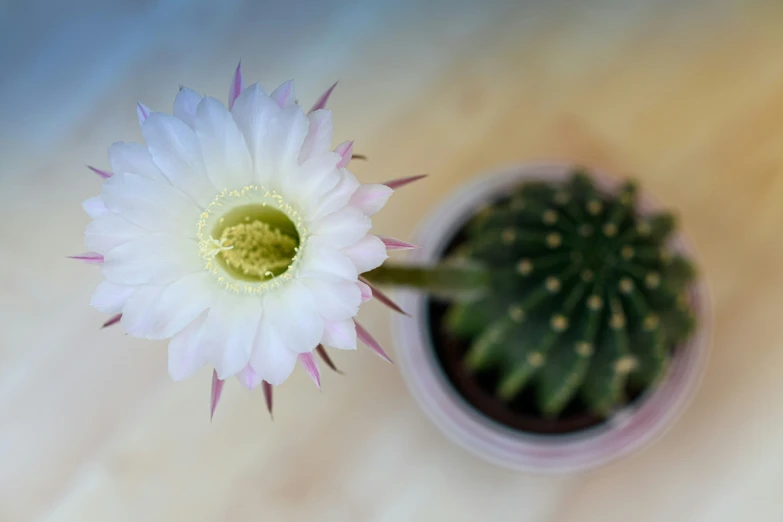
pixel 686 95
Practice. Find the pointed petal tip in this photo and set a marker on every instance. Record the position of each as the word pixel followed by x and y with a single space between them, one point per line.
pixel 89 257
pixel 112 321
pixel 105 174
pixel 311 367
pixel 367 338
pixel 383 298
pixel 393 243
pixel 217 391
pixel 401 182
pixel 321 102
pixel 345 150
pixel 237 85
pixel 143 112
pixel 267 388
pixel 323 354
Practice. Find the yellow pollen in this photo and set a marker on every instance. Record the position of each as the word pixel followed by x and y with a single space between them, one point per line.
pixel 626 285
pixel 250 239
pixel 625 364
pixel 524 267
pixel 595 303
pixel 553 240
pixel 559 322
pixel 584 349
pixel 594 207
pixel 257 249
pixel 516 313
pixel 535 359
pixel 552 284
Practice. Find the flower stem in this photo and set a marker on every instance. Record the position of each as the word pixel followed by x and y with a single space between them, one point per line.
pixel 446 279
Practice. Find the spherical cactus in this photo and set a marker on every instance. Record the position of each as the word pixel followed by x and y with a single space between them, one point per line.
pixel 587 299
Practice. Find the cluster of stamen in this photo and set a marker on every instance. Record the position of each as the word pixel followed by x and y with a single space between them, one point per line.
pixel 257 247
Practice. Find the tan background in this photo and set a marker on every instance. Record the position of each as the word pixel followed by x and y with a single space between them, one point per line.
pixel 686 95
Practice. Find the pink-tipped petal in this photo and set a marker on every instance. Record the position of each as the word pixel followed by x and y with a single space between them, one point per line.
pixel 105 174
pixel 321 351
pixel 217 390
pixel 284 95
pixel 395 244
pixel 114 320
pixel 397 183
pixel 383 298
pixel 366 291
pixel 237 86
pixel 143 112
pixel 311 367
pixel 370 198
pixel 369 340
pixel 89 257
pixel 268 396
pixel 345 150
pixel 321 102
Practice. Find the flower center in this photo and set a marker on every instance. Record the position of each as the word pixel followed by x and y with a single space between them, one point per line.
pixel 251 239
pixel 259 242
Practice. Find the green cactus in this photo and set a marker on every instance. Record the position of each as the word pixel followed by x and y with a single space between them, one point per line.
pixel 585 297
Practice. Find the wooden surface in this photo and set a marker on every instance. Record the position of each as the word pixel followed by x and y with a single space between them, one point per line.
pixel 685 95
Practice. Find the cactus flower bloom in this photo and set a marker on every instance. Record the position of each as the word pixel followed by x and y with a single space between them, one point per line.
pixel 237 233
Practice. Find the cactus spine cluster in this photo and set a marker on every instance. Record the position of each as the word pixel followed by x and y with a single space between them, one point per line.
pixel 587 299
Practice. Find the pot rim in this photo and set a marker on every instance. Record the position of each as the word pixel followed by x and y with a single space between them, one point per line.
pixel 626 432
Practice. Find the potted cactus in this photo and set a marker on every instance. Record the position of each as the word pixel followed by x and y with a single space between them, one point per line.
pixel 564 323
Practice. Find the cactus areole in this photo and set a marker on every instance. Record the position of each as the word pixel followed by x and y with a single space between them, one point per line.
pixel 556 304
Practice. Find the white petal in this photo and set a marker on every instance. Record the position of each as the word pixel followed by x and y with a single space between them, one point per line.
pixel 271 359
pixel 292 311
pixel 283 143
pixel 159 312
pixel 110 297
pixel 249 378
pixel 340 334
pixel 252 111
pixel 185 106
pixel 285 94
pixel 371 198
pixel 321 259
pixel 367 254
pixel 134 158
pixel 342 228
pixel 151 205
pixel 94 207
pixel 223 148
pixel 186 350
pixel 319 135
pixel 230 331
pixel 336 299
pixel 175 150
pixel 154 259
pixel 109 231
pixel 313 180
pixel 336 198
